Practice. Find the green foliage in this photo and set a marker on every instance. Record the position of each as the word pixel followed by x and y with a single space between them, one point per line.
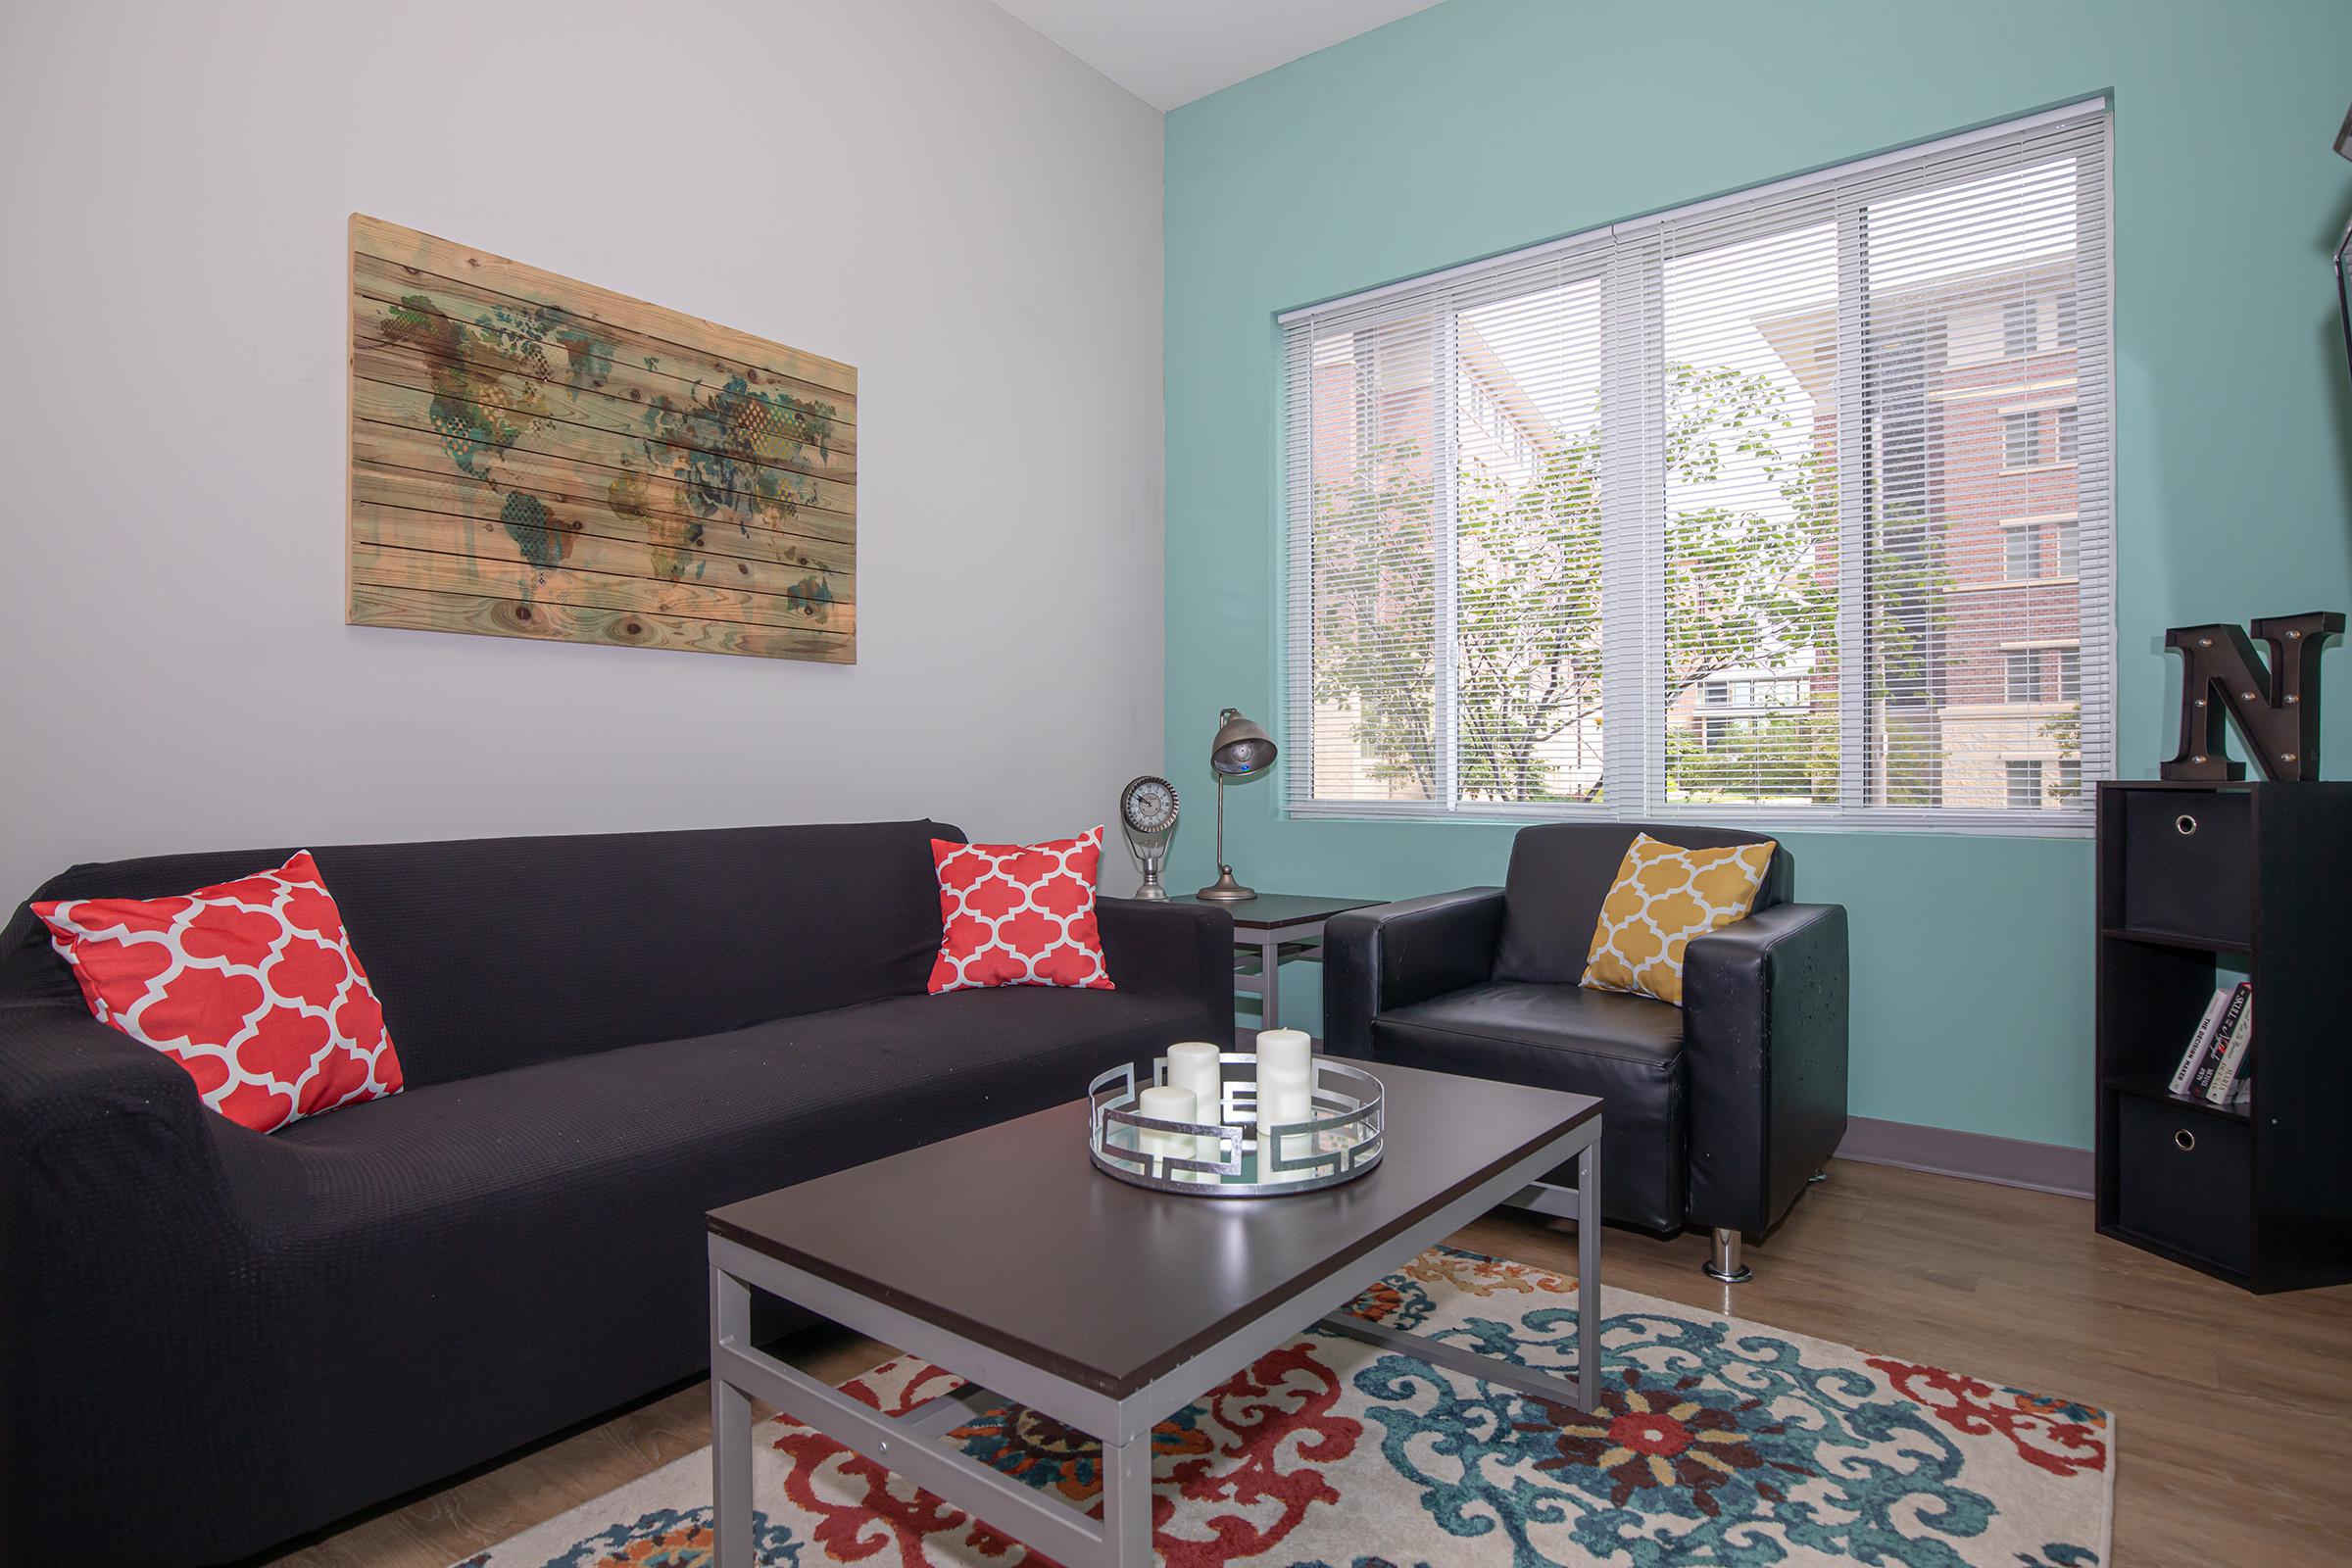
pixel 1376 608
pixel 1745 587
pixel 2067 730
pixel 1790 757
pixel 1528 651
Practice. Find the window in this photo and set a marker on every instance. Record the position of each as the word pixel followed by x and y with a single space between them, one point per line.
pixel 2020 329
pixel 2025 675
pixel 2026 549
pixel 2024 785
pixel 2025 553
pixel 2066 435
pixel 1693 514
pixel 2020 440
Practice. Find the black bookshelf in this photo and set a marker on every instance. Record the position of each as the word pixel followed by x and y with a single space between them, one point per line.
pixel 2194 880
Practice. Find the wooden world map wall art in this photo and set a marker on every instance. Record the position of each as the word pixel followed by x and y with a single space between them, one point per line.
pixel 532 457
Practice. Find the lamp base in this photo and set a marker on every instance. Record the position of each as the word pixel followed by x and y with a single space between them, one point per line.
pixel 1225 890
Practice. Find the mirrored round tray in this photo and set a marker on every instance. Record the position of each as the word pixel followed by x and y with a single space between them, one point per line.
pixel 1341 1141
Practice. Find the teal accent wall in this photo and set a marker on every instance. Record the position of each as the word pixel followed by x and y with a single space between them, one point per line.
pixel 1481 125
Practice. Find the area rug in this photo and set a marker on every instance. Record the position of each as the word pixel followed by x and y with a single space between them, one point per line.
pixel 1721 1443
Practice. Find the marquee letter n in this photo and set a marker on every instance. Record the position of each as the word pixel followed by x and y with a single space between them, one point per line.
pixel 2278 709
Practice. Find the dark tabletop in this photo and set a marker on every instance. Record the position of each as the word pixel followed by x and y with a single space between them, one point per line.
pixel 1272 910
pixel 1010 1238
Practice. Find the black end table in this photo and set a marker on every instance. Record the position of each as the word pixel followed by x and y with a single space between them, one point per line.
pixel 1268 930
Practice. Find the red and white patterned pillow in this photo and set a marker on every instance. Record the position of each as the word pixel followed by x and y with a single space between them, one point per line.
pixel 251 986
pixel 1019 914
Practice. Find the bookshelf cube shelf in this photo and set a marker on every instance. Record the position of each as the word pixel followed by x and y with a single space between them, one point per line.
pixel 2199 880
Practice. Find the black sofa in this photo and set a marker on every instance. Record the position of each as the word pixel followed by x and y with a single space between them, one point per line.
pixel 1719 1112
pixel 212 1339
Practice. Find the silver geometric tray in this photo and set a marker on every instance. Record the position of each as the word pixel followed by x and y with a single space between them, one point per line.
pixel 1342 1140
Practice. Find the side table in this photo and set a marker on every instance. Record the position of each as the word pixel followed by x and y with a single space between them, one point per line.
pixel 1269 930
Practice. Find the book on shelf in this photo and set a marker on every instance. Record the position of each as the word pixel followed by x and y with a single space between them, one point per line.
pixel 2200 1085
pixel 2201 1042
pixel 2230 1053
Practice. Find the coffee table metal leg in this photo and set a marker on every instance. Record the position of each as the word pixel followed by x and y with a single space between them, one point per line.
pixel 1585 1393
pixel 1269 996
pixel 1453 1357
pixel 1588 1277
pixel 730 1426
pixel 1127 1501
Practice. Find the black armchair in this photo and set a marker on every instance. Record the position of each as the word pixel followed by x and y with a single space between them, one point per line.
pixel 1720 1112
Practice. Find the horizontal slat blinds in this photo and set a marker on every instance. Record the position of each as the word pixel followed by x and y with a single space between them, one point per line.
pixel 1788 505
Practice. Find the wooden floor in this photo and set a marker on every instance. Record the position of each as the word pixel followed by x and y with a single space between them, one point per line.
pixel 2234 1411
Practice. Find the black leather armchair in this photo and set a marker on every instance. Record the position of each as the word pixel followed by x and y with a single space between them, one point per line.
pixel 1719 1112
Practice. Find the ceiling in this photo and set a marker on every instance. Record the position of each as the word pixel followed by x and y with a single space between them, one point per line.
pixel 1170 52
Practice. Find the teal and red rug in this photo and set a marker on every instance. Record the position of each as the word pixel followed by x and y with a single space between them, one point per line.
pixel 1722 1443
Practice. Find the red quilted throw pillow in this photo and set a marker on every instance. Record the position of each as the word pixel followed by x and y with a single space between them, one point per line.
pixel 251 985
pixel 1019 914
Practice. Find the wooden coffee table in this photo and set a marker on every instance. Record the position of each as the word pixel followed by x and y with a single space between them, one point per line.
pixel 1006 1257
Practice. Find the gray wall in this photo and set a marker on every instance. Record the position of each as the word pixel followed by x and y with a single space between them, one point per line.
pixel 925 188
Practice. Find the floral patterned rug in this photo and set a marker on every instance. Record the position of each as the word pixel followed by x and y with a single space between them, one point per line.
pixel 1722 1443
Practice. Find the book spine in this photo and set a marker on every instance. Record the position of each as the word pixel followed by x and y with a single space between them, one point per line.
pixel 2203 1081
pixel 2232 1054
pixel 2201 1042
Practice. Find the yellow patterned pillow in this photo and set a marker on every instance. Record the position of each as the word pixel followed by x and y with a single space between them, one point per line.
pixel 1663 897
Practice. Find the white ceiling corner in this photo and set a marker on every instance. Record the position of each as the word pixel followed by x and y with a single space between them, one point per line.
pixel 1170 52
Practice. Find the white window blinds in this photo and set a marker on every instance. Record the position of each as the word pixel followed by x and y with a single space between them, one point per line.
pixel 1791 505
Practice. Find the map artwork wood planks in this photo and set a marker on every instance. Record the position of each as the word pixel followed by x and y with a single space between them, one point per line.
pixel 534 457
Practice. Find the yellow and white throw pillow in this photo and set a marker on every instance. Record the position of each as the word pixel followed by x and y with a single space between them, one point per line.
pixel 1663 897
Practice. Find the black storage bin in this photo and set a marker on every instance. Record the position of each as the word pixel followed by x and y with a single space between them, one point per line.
pixel 2186 854
pixel 2184 1178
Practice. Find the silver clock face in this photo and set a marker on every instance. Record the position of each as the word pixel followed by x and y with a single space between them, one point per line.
pixel 1149 805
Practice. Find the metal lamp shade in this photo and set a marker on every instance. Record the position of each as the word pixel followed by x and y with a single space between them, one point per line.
pixel 1241 751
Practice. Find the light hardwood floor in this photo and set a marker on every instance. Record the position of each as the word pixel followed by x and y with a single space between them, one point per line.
pixel 2234 1411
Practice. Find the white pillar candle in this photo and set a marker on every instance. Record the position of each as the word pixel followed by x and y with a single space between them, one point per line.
pixel 1284 1096
pixel 1192 1065
pixel 1167 1102
pixel 1288 1052
pixel 1283 1101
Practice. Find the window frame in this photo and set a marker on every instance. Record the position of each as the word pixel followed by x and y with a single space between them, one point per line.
pixel 2090 339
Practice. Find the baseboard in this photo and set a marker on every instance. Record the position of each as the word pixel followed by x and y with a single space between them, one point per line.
pixel 1979 1157
pixel 1938 1151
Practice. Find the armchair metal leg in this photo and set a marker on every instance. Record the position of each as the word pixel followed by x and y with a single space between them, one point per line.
pixel 1724 1263
pixel 1818 1177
